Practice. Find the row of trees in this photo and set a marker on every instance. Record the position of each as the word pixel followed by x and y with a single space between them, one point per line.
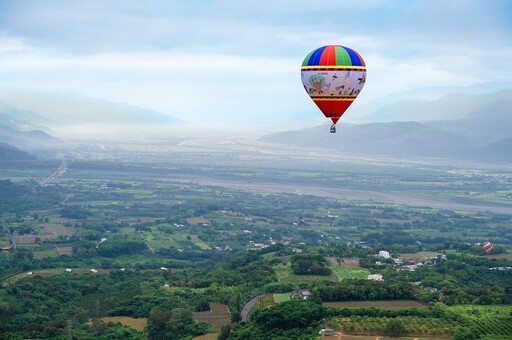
pixel 360 290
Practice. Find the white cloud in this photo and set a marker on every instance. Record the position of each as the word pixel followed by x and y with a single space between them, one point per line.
pixel 240 61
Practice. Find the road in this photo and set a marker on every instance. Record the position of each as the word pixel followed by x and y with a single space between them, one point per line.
pixel 248 306
pixel 59 172
pixel 7 228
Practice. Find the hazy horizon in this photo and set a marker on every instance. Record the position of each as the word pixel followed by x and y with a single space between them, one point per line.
pixel 224 64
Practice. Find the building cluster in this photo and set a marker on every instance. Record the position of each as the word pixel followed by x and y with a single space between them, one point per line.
pixel 501 269
pixel 412 265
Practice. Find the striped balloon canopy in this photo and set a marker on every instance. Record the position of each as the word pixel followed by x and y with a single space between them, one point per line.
pixel 488 247
pixel 333 76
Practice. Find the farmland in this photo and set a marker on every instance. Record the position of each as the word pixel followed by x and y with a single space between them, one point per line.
pixel 217 316
pixel 343 273
pixel 398 304
pixel 204 228
pixel 137 324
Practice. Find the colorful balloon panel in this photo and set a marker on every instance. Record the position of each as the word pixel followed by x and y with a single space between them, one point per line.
pixel 333 76
pixel 488 247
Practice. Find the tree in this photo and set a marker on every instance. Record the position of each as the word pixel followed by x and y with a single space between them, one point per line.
pixel 395 327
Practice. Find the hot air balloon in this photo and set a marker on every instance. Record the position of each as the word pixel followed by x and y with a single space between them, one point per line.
pixel 333 76
pixel 488 247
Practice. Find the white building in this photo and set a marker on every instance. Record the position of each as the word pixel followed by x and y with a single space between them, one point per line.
pixel 375 277
pixel 384 254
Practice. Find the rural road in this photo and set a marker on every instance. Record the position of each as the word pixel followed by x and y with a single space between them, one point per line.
pixel 59 172
pixel 248 306
pixel 7 228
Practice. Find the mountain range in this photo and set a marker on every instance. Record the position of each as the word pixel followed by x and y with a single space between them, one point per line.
pixel 456 126
pixel 10 153
pixel 30 119
pixel 66 109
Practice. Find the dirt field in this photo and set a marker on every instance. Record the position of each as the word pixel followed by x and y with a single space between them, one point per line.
pixel 346 262
pixel 396 304
pixel 197 220
pixel 64 250
pixel 137 324
pixel 218 316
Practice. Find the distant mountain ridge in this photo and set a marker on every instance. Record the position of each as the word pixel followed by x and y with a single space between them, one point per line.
pixel 480 132
pixel 75 109
pixel 449 107
pixel 29 119
pixel 19 138
pixel 10 153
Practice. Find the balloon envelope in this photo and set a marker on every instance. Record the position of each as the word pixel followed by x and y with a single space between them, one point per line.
pixel 488 247
pixel 333 76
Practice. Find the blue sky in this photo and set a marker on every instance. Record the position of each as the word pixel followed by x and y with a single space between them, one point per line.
pixel 238 62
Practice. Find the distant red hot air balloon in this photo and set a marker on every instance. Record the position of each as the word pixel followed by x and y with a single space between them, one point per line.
pixel 333 76
pixel 488 247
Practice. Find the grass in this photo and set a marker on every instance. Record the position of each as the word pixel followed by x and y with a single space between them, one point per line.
pixel 281 297
pixel 199 243
pixel 419 256
pixel 41 254
pixel 350 272
pixel 136 323
pixel 51 272
pixel 285 275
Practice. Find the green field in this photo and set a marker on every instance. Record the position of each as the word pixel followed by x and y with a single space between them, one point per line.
pixel 350 273
pixel 285 275
pixel 281 297
pixel 493 320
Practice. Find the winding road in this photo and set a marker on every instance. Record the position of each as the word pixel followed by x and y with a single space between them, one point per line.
pixel 248 306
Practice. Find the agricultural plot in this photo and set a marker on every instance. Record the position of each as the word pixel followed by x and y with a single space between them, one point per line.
pixel 281 297
pixel 419 256
pixel 194 239
pixel 52 231
pixel 378 337
pixel 493 320
pixel 197 220
pixel 64 250
pixel 349 262
pixel 285 275
pixel 41 254
pixel 393 305
pixel 50 272
pixel 217 316
pixel 136 323
pixel 350 272
pixel 412 326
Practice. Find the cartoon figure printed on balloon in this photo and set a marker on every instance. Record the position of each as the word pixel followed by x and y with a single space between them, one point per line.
pixel 318 84
pixel 362 80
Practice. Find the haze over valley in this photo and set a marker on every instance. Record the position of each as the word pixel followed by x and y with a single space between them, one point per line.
pixel 167 171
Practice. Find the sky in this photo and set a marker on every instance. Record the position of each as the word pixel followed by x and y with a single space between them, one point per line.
pixel 224 63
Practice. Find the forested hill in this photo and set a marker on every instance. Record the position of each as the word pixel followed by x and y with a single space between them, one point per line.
pixel 10 153
pixel 20 197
